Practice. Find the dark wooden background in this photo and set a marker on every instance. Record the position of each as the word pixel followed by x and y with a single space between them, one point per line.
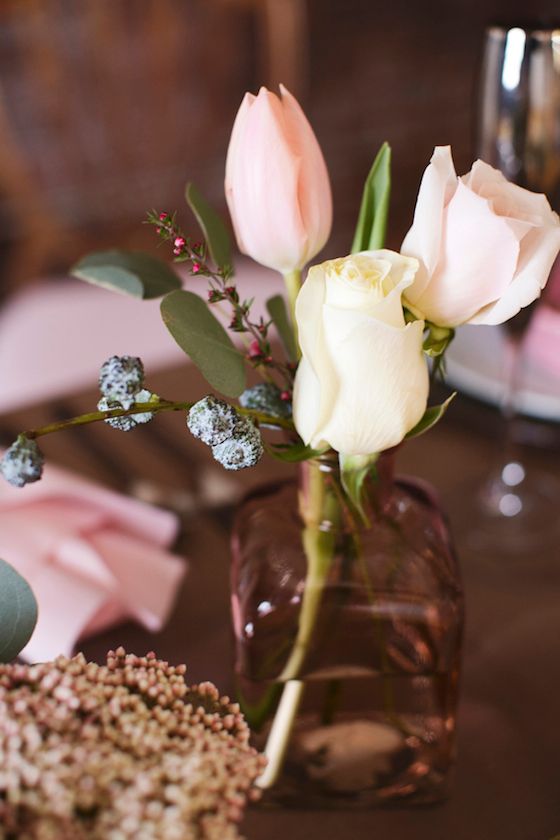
pixel 107 107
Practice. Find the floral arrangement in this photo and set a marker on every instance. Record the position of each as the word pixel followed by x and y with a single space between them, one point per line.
pixel 126 749
pixel 352 376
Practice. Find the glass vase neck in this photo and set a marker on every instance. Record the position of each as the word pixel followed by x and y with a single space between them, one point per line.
pixel 321 494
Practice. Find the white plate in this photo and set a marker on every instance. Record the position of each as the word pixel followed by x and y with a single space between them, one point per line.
pixel 476 364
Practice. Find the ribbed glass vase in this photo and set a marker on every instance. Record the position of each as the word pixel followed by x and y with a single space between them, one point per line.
pixel 348 637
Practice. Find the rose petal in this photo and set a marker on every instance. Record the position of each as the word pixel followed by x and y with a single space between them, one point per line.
pixel 477 264
pixel 423 240
pixel 508 199
pixel 538 252
pixel 383 382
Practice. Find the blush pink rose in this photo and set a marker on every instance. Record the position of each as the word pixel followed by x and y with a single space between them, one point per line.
pixel 277 185
pixel 485 246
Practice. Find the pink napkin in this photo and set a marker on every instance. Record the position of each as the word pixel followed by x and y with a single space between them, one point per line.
pixel 91 556
pixel 41 361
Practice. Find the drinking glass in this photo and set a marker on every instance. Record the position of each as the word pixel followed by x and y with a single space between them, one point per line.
pixel 518 132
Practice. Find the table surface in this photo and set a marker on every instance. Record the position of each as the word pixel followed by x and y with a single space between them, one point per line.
pixel 507 780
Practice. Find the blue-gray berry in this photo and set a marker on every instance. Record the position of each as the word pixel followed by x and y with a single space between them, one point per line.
pixel 129 421
pixel 266 397
pixel 212 420
pixel 243 449
pixel 22 462
pixel 120 379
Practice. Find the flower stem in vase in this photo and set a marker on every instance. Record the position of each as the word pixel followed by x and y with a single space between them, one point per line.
pixel 319 508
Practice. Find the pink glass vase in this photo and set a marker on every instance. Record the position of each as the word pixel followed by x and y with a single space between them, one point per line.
pixel 348 639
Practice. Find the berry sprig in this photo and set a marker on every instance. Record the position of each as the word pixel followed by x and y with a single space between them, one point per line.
pixel 259 351
pixel 232 432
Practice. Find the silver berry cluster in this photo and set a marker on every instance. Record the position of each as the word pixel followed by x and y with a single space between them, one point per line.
pixel 120 378
pixel 121 381
pixel 268 399
pixel 235 441
pixel 22 463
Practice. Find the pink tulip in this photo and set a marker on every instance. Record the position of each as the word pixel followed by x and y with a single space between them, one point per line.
pixel 277 184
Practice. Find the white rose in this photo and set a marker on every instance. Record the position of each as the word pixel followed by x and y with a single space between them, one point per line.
pixel 485 246
pixel 362 383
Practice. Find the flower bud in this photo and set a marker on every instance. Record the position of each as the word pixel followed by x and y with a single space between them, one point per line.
pixel 277 184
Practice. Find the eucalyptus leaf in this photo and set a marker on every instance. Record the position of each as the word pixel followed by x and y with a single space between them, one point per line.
pixel 214 230
pixel 18 612
pixel 372 219
pixel 431 416
pixel 201 336
pixel 293 453
pixel 128 272
pixel 278 312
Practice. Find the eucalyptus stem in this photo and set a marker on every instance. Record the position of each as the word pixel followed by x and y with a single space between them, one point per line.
pixel 152 408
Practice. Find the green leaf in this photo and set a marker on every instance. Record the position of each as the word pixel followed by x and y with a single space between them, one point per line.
pixel 292 453
pixel 202 337
pixel 354 469
pixel 278 311
pixel 372 220
pixel 128 272
pixel 214 230
pixel 18 612
pixel 431 416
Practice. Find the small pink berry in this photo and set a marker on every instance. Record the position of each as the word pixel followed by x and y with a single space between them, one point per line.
pixel 179 242
pixel 254 350
pixel 162 217
pixel 195 267
pixel 286 396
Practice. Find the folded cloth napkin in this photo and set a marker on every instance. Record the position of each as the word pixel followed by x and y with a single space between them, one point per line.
pixel 91 556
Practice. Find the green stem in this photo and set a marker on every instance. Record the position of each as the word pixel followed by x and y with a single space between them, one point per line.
pixel 280 732
pixel 153 408
pixel 292 280
pixel 317 505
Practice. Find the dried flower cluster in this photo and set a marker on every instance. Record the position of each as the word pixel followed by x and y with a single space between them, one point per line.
pixel 123 750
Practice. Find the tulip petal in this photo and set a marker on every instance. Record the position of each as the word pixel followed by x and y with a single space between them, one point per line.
pixel 314 192
pixel 235 148
pixel 276 183
pixel 266 189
